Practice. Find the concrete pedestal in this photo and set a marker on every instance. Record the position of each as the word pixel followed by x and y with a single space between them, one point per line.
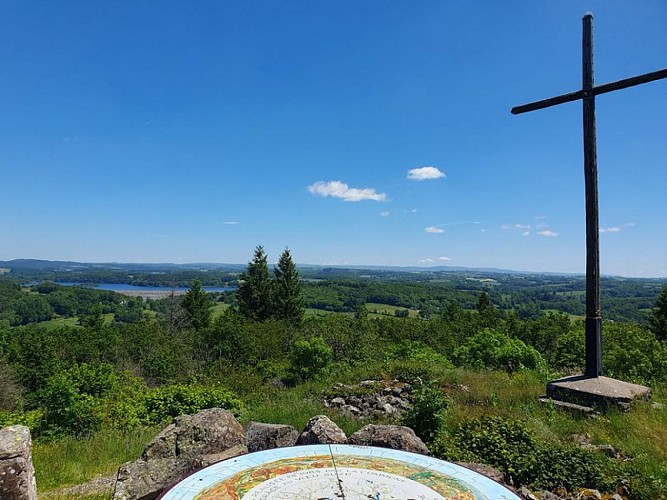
pixel 598 393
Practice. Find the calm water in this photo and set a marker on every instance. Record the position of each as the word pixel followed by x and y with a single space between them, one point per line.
pixel 121 287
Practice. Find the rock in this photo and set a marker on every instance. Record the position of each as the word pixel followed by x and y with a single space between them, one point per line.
pixel 484 470
pixel 261 436
pixel 589 494
pixel 321 430
pixel 17 475
pixel 657 406
pixel 526 493
pixel 616 496
pixel 338 401
pixel 234 451
pixel 547 495
pixel 180 448
pixel 350 410
pixel 389 436
pixel 389 410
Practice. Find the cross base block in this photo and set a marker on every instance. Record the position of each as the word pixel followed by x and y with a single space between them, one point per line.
pixel 600 393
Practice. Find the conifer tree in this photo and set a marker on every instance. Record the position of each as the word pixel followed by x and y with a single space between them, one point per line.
pixel 287 298
pixel 197 306
pixel 254 293
pixel 658 317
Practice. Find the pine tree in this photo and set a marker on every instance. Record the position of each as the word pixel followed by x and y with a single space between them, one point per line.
pixel 197 306
pixel 254 293
pixel 287 298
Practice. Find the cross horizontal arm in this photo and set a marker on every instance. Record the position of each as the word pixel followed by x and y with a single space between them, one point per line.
pixel 600 89
pixel 547 103
pixel 630 82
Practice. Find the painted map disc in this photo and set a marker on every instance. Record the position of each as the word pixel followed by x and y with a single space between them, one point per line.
pixel 323 472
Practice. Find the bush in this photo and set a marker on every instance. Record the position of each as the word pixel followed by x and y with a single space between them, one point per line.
pixel 164 403
pixel 420 353
pixel 425 416
pixel 310 359
pixel 491 349
pixel 509 446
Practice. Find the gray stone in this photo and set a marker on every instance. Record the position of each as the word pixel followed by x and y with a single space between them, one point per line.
pixel 589 494
pixel 261 436
pixel 179 449
pixel 526 493
pixel 484 470
pixel 547 495
pixel 17 475
pixel 338 401
pixel 321 430
pixel 600 393
pixel 573 408
pixel 389 436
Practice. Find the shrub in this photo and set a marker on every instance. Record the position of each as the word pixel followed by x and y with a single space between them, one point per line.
pixel 171 401
pixel 491 349
pixel 309 359
pixel 509 446
pixel 425 416
pixel 421 353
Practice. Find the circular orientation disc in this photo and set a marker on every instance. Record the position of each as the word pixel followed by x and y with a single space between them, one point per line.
pixel 332 472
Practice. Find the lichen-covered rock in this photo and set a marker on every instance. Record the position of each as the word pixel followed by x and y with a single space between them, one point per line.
pixel 260 436
pixel 17 475
pixel 321 430
pixel 396 437
pixel 180 448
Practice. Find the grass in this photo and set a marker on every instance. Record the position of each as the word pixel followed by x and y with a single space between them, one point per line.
pixel 54 323
pixel 218 308
pixel 69 461
pixel 376 309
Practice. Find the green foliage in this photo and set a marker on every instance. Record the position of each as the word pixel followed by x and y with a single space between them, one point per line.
pixel 197 305
pixel 33 420
pixel 309 359
pixel 67 409
pixel 254 293
pixel 658 317
pixel 166 402
pixel 287 297
pixel 633 353
pixel 419 352
pixel 509 446
pixel 491 349
pixel 425 416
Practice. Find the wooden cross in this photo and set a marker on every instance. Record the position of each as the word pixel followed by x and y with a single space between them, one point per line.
pixel 587 95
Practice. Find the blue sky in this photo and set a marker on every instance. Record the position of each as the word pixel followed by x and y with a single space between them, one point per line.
pixel 193 131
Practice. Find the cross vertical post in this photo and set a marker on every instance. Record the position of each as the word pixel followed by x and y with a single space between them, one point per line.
pixel 593 319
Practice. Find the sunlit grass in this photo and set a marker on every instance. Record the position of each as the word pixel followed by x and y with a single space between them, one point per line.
pixel 70 461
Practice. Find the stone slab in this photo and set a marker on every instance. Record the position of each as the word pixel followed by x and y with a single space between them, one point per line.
pixel 569 407
pixel 600 393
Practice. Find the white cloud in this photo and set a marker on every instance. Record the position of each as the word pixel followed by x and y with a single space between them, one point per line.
pixel 505 226
pixel 540 217
pixel 230 223
pixel 425 173
pixel 444 258
pixel 610 229
pixel 525 233
pixel 548 233
pixel 434 230
pixel 341 190
pixel 522 226
pixel 426 261
pixel 542 225
pixel 385 213
pixel 630 224
pixel 483 230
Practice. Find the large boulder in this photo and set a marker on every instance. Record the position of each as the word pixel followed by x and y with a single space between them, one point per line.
pixel 396 437
pixel 321 430
pixel 17 475
pixel 260 436
pixel 186 444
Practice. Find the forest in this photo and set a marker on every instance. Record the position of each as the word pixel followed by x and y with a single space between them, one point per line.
pixel 81 366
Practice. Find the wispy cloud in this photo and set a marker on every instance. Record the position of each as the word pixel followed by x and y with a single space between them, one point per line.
pixel 522 226
pixel 629 224
pixel 426 261
pixel 231 223
pixel 434 230
pixel 445 258
pixel 385 213
pixel 614 229
pixel 525 233
pixel 425 173
pixel 548 234
pixel 337 189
